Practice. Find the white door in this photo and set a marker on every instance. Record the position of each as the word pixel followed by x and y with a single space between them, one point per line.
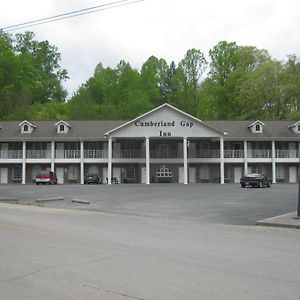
pixel 60 150
pixel 3 175
pixel 292 174
pixel 60 175
pixel 181 174
pixel 4 150
pixel 104 175
pixel 192 175
pixel 117 174
pixel 237 174
pixel 143 174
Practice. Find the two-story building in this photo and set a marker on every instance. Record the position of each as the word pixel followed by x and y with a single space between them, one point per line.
pixel 162 142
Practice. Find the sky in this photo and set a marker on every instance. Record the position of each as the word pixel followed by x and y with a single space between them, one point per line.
pixel 163 28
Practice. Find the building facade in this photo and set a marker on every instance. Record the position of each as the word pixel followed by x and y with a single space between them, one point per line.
pixel 162 145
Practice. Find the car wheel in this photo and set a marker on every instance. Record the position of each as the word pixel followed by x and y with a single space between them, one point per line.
pixel 243 185
pixel 269 184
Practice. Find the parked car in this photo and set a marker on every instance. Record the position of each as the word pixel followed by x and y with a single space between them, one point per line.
pixel 92 178
pixel 44 177
pixel 255 180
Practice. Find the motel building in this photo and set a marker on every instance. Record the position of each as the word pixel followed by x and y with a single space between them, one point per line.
pixel 162 145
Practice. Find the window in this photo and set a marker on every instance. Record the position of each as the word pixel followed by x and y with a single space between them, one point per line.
pixel 257 128
pixel 260 169
pixel 226 172
pixel 17 173
pixel 298 128
pixel 279 172
pixel 35 170
pixel 130 173
pixel 73 173
pixel 204 172
pixel 62 128
pixel 25 128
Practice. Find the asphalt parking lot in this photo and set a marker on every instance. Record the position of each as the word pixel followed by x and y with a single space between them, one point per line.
pixel 208 203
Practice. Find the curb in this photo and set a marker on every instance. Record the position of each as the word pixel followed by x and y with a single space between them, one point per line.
pixel 81 201
pixel 9 200
pixel 49 199
pixel 289 220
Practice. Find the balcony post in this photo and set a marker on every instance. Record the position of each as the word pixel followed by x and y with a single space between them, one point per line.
pixel 222 160
pixel 147 161
pixel 185 164
pixel 245 158
pixel 52 155
pixel 109 167
pixel 24 163
pixel 273 163
pixel 81 162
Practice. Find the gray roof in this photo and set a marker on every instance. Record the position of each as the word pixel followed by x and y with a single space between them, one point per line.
pixel 95 130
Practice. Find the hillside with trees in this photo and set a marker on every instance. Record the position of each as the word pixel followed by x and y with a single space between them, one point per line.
pixel 233 83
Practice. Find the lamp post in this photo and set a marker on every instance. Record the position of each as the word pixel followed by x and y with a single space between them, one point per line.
pixel 298 209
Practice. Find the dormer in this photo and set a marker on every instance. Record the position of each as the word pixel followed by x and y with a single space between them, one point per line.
pixel 62 127
pixel 27 127
pixel 295 127
pixel 257 126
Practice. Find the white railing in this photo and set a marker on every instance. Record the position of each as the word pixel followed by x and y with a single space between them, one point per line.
pixel 38 154
pixel 164 153
pixel 11 154
pixel 287 154
pixel 94 154
pixel 67 154
pixel 207 154
pixel 128 154
pixel 260 153
pixel 233 153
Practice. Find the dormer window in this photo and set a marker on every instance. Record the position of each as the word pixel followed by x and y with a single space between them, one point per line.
pixel 295 127
pixel 27 127
pixel 62 127
pixel 256 127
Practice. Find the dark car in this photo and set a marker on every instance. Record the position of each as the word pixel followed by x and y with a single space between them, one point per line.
pixel 255 180
pixel 92 178
pixel 44 177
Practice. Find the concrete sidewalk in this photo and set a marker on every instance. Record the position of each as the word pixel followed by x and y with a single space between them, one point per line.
pixel 289 220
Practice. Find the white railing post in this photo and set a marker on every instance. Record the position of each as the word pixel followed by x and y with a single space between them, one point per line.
pixel 24 163
pixel 221 160
pixel 185 164
pixel 81 162
pixel 147 160
pixel 245 158
pixel 109 164
pixel 273 163
pixel 52 155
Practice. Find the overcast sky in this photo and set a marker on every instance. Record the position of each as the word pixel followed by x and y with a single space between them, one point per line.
pixel 164 28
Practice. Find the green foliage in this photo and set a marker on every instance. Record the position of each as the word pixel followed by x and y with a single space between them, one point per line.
pixel 236 82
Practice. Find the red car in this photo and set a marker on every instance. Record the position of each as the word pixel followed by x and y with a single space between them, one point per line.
pixel 44 177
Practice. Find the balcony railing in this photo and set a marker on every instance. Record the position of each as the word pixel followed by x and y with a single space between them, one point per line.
pixel 67 154
pixel 164 153
pixel 11 154
pixel 207 154
pixel 94 154
pixel 38 154
pixel 287 154
pixel 128 154
pixel 234 153
pixel 260 153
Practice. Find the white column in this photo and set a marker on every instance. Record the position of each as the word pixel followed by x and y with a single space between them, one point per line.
pixel 185 165
pixel 81 162
pixel 24 163
pixel 109 167
pixel 273 163
pixel 52 155
pixel 245 158
pixel 222 160
pixel 147 161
